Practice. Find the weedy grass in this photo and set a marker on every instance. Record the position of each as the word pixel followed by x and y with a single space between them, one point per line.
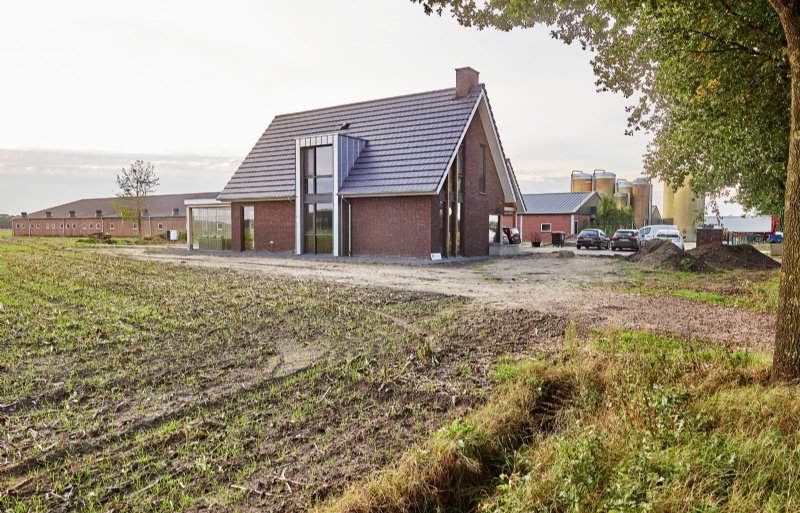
pixel 648 423
pixel 136 386
pixel 6 234
pixel 754 290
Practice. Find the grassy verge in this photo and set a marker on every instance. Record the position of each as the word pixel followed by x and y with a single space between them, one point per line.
pixel 755 290
pixel 651 424
pixel 133 386
pixel 5 234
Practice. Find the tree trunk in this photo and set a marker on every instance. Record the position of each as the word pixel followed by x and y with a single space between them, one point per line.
pixel 786 366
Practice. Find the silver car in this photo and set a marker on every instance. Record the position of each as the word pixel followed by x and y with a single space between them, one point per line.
pixel 647 233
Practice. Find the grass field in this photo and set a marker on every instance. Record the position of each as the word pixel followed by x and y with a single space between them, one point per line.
pixel 131 386
pixel 5 234
pixel 625 422
pixel 756 290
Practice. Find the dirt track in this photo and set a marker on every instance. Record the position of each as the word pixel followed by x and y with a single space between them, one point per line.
pixel 542 283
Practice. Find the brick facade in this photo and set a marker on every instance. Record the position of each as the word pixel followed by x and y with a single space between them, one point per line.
pixel 274 226
pixel 392 226
pixel 85 226
pixel 530 224
pixel 478 205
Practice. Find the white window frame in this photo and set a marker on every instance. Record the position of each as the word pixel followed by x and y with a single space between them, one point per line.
pixel 549 227
pixel 161 227
pixel 111 226
pixel 136 227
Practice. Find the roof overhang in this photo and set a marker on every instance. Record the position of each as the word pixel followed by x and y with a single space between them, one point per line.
pixel 484 111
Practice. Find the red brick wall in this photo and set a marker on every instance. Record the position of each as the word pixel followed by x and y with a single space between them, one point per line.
pixel 477 205
pixel 88 225
pixel 237 244
pixel 392 226
pixel 529 224
pixel 274 226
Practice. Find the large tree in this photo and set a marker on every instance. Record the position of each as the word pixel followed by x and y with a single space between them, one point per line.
pixel 717 84
pixel 135 183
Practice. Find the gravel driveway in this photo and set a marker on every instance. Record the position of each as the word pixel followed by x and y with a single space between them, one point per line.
pixel 545 282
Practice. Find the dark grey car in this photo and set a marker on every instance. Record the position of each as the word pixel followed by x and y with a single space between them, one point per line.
pixel 625 239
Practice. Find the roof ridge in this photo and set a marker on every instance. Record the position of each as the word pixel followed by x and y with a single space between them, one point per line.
pixel 363 102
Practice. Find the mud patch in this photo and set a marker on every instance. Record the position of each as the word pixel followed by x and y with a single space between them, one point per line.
pixel 662 254
pixel 727 257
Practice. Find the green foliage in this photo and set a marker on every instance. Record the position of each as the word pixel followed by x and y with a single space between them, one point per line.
pixel 710 80
pixel 5 222
pixel 610 217
pixel 755 290
pixel 681 426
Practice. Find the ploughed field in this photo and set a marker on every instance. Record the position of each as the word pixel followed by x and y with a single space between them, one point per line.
pixel 145 386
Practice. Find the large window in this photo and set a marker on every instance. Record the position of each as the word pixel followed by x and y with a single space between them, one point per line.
pixel 248 228
pixel 211 228
pixel 317 167
pixel 319 227
pixel 494 229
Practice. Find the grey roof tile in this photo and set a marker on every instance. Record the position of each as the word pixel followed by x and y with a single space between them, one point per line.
pixel 410 140
pixel 555 203
pixel 158 205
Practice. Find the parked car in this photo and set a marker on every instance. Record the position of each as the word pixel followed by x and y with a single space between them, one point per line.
pixel 625 239
pixel 512 234
pixel 647 233
pixel 593 238
pixel 674 236
pixel 776 238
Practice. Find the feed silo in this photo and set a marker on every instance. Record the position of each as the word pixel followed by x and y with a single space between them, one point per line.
pixel 626 187
pixel 604 182
pixel 669 202
pixel 641 198
pixel 687 209
pixel 621 199
pixel 580 182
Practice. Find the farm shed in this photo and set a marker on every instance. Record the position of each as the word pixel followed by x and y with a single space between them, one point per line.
pixel 566 212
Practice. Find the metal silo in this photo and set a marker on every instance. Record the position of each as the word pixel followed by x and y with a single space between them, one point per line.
pixel 686 209
pixel 604 182
pixel 640 200
pixel 669 202
pixel 580 182
pixel 621 199
pixel 625 186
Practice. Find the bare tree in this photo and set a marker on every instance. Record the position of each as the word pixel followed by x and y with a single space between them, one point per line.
pixel 135 183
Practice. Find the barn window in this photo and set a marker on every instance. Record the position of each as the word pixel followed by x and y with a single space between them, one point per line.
pixel 111 226
pixel 546 227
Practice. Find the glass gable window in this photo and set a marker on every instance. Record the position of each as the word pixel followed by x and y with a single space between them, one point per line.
pixel 317 168
pixel 211 228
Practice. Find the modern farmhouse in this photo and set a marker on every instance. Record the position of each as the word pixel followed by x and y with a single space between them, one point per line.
pixel 418 175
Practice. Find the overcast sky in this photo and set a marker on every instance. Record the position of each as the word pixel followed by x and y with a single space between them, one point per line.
pixel 88 86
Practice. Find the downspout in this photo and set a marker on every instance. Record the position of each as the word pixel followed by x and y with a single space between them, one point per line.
pixel 349 227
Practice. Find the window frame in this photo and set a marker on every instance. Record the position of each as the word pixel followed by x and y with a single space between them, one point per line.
pixel 549 227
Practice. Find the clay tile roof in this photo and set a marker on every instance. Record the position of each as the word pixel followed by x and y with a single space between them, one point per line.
pixel 409 142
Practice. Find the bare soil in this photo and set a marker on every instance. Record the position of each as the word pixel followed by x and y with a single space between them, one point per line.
pixel 579 289
pixel 726 257
pixel 662 254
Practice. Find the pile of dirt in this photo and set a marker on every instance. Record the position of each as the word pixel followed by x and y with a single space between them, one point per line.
pixel 726 257
pixel 662 254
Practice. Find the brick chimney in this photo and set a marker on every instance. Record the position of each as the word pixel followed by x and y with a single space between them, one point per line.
pixel 466 79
